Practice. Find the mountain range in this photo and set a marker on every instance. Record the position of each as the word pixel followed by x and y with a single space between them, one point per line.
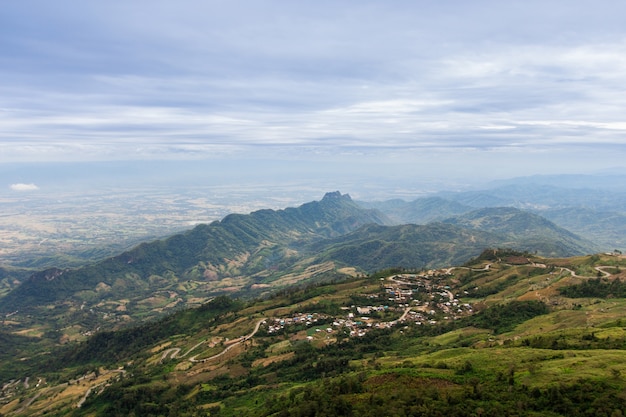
pixel 255 254
pixel 200 320
pixel 592 207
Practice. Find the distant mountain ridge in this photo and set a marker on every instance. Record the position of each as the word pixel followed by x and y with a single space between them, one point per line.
pixel 606 228
pixel 592 207
pixel 247 243
pixel 419 211
pixel 253 254
pixel 540 196
pixel 525 231
pixel 433 245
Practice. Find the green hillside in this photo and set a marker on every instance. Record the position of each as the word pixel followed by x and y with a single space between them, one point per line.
pixel 507 334
pixel 10 278
pixel 412 246
pixel 607 228
pixel 525 231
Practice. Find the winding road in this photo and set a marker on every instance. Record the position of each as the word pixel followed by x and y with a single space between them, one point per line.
pixel 173 352
pixel 449 270
pixel 597 268
pixel 234 343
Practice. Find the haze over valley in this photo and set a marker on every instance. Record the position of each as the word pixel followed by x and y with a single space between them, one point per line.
pixel 74 213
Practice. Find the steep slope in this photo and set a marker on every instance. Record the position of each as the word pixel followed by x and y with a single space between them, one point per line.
pixel 451 242
pixel 525 231
pixel 11 278
pixel 374 247
pixel 237 246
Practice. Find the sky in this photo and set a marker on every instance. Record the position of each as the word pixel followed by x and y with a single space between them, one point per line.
pixel 423 88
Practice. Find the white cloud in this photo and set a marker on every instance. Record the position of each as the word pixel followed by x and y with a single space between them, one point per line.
pixel 24 187
pixel 215 79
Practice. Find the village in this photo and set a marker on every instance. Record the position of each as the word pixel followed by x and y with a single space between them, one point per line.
pixel 402 299
pixel 423 299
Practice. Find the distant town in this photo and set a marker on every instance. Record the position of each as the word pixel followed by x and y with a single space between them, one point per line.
pixel 422 299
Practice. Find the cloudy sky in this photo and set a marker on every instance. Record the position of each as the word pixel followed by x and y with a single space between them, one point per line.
pixel 464 87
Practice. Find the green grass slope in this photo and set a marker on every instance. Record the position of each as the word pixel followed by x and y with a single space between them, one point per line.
pixel 507 334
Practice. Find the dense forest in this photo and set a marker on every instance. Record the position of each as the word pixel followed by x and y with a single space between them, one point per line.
pixel 598 287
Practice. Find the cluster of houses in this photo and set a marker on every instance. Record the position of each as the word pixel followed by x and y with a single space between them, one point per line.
pixel 427 297
pixel 401 299
pixel 275 325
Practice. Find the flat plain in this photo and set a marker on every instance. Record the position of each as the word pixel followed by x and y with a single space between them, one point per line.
pixel 71 227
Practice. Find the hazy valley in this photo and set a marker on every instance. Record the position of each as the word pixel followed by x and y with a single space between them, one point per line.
pixel 68 226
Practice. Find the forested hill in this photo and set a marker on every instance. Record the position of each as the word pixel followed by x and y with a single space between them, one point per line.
pixel 592 207
pixel 526 231
pixel 433 245
pixel 237 245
